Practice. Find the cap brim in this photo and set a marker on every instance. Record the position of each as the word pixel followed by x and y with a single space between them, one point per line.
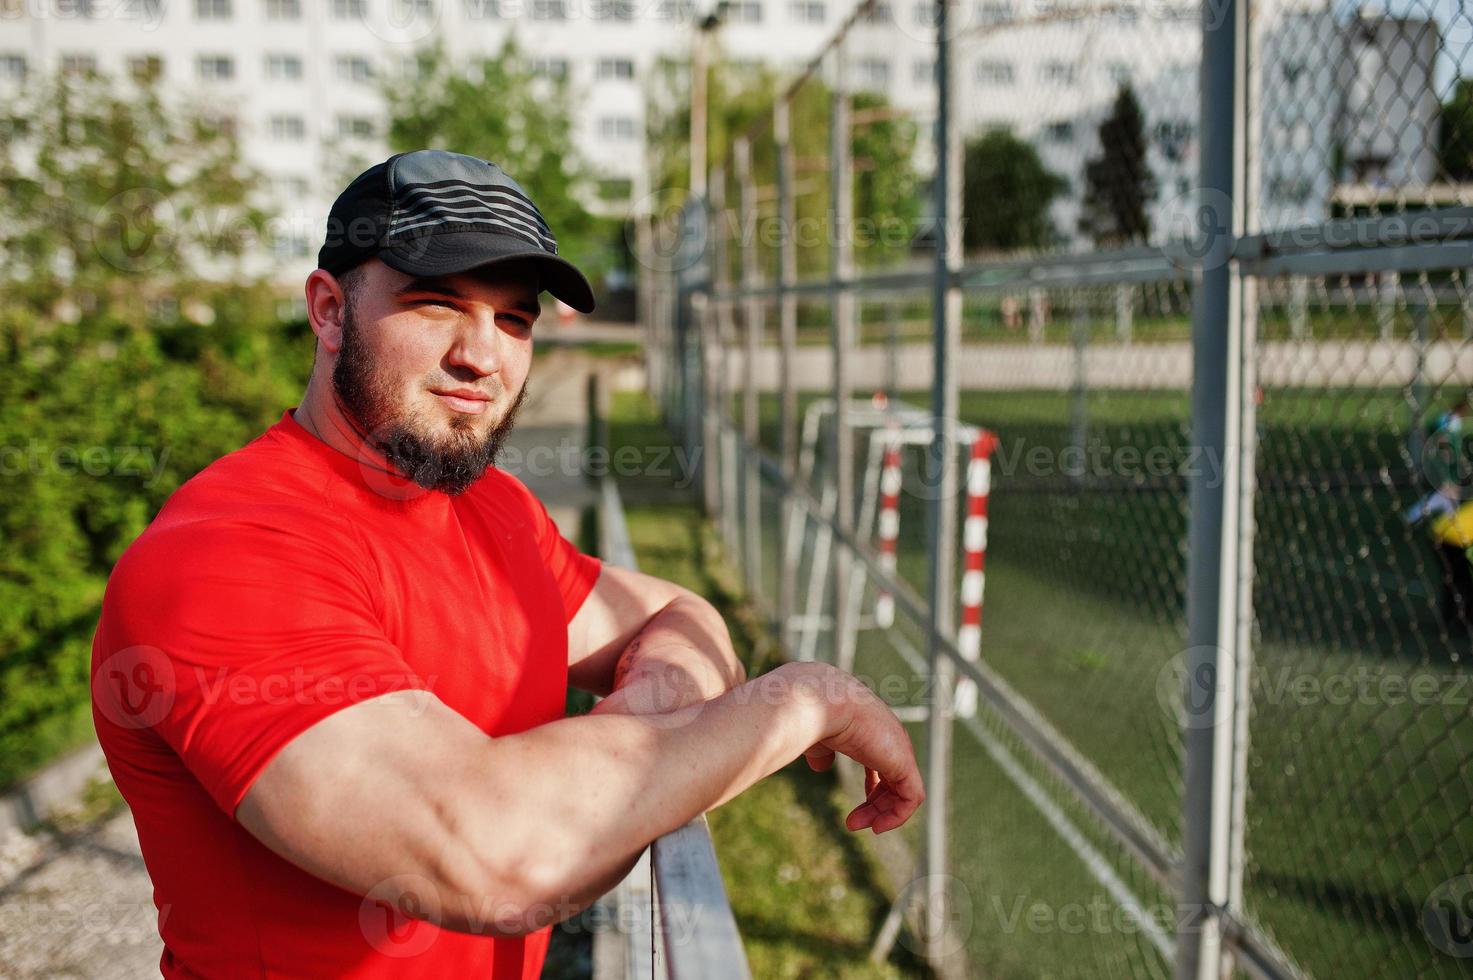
pixel 452 252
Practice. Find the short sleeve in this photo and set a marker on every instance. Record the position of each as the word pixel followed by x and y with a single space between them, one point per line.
pixel 230 639
pixel 574 572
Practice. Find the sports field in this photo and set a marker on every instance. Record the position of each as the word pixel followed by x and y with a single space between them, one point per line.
pixel 1360 794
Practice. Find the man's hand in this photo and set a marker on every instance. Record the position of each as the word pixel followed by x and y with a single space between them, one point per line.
pixel 862 727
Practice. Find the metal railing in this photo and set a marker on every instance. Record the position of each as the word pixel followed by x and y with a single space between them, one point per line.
pixel 674 919
pixel 1138 695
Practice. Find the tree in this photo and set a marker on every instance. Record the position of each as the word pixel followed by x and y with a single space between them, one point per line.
pixel 1006 194
pixel 134 350
pixel 111 199
pixel 886 199
pixel 1118 184
pixel 1455 136
pixel 499 110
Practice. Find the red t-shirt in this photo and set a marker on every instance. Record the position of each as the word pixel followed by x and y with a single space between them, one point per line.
pixel 277 587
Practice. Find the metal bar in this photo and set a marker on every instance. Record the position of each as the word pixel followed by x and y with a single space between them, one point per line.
pixel 842 309
pixel 753 317
pixel 787 271
pixel 701 937
pixel 700 934
pixel 1211 533
pixel 946 327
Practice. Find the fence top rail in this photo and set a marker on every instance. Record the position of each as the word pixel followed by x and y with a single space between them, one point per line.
pixel 700 933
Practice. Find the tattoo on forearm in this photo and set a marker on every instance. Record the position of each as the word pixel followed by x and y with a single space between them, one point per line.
pixel 626 663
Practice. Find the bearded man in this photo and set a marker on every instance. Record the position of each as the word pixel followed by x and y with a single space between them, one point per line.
pixel 329 677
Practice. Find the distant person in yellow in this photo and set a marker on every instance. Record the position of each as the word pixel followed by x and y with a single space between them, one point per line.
pixel 1448 516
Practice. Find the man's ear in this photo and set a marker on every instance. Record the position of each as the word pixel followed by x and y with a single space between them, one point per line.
pixel 325 308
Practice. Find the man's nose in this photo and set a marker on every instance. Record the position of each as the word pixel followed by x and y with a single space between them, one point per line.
pixel 477 348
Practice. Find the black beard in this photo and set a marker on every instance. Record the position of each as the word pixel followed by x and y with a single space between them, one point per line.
pixel 449 467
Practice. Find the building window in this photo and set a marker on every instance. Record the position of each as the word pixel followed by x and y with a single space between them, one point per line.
pixel 290 187
pixel 414 66
pixel 923 71
pixel 355 127
pixel 880 13
pixel 925 14
pixel 995 72
pixel 806 11
pixel 616 128
pixel 1059 132
pixel 414 10
pixel 13 67
pixel 1119 72
pixel 740 11
pixel 994 12
pixel 283 9
pixel 221 123
pixel 83 9
pixel 146 67
pixel 1174 136
pixel 291 128
pixel 620 10
pixel 353 68
pixel 79 64
pixel 148 10
pixel 482 9
pixel 554 68
pixel 350 9
pixel 614 68
pixel 873 73
pixel 549 10
pixel 283 68
pixel 215 68
pixel 677 11
pixel 1057 72
pixel 212 9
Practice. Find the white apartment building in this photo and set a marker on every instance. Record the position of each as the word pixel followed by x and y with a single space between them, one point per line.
pixel 299 79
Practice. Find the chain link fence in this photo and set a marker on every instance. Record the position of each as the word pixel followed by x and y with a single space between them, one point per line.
pixel 1123 447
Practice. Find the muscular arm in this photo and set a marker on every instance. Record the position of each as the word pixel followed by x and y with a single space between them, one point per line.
pixel 648 645
pixel 405 800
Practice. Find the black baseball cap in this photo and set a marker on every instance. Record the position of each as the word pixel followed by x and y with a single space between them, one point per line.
pixel 436 213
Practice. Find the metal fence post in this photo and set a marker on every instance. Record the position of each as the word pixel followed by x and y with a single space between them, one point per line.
pixel 752 516
pixel 946 310
pixel 842 307
pixel 787 272
pixel 720 419
pixel 1214 561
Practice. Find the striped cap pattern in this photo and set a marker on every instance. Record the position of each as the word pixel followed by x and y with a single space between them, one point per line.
pixel 445 205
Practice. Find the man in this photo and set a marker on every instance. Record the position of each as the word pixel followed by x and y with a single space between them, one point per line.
pixel 329 677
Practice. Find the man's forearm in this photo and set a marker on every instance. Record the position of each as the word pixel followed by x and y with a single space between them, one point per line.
pixel 598 789
pixel 682 656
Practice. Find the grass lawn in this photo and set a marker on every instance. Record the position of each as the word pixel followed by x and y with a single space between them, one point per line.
pixel 806 893
pixel 1356 791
